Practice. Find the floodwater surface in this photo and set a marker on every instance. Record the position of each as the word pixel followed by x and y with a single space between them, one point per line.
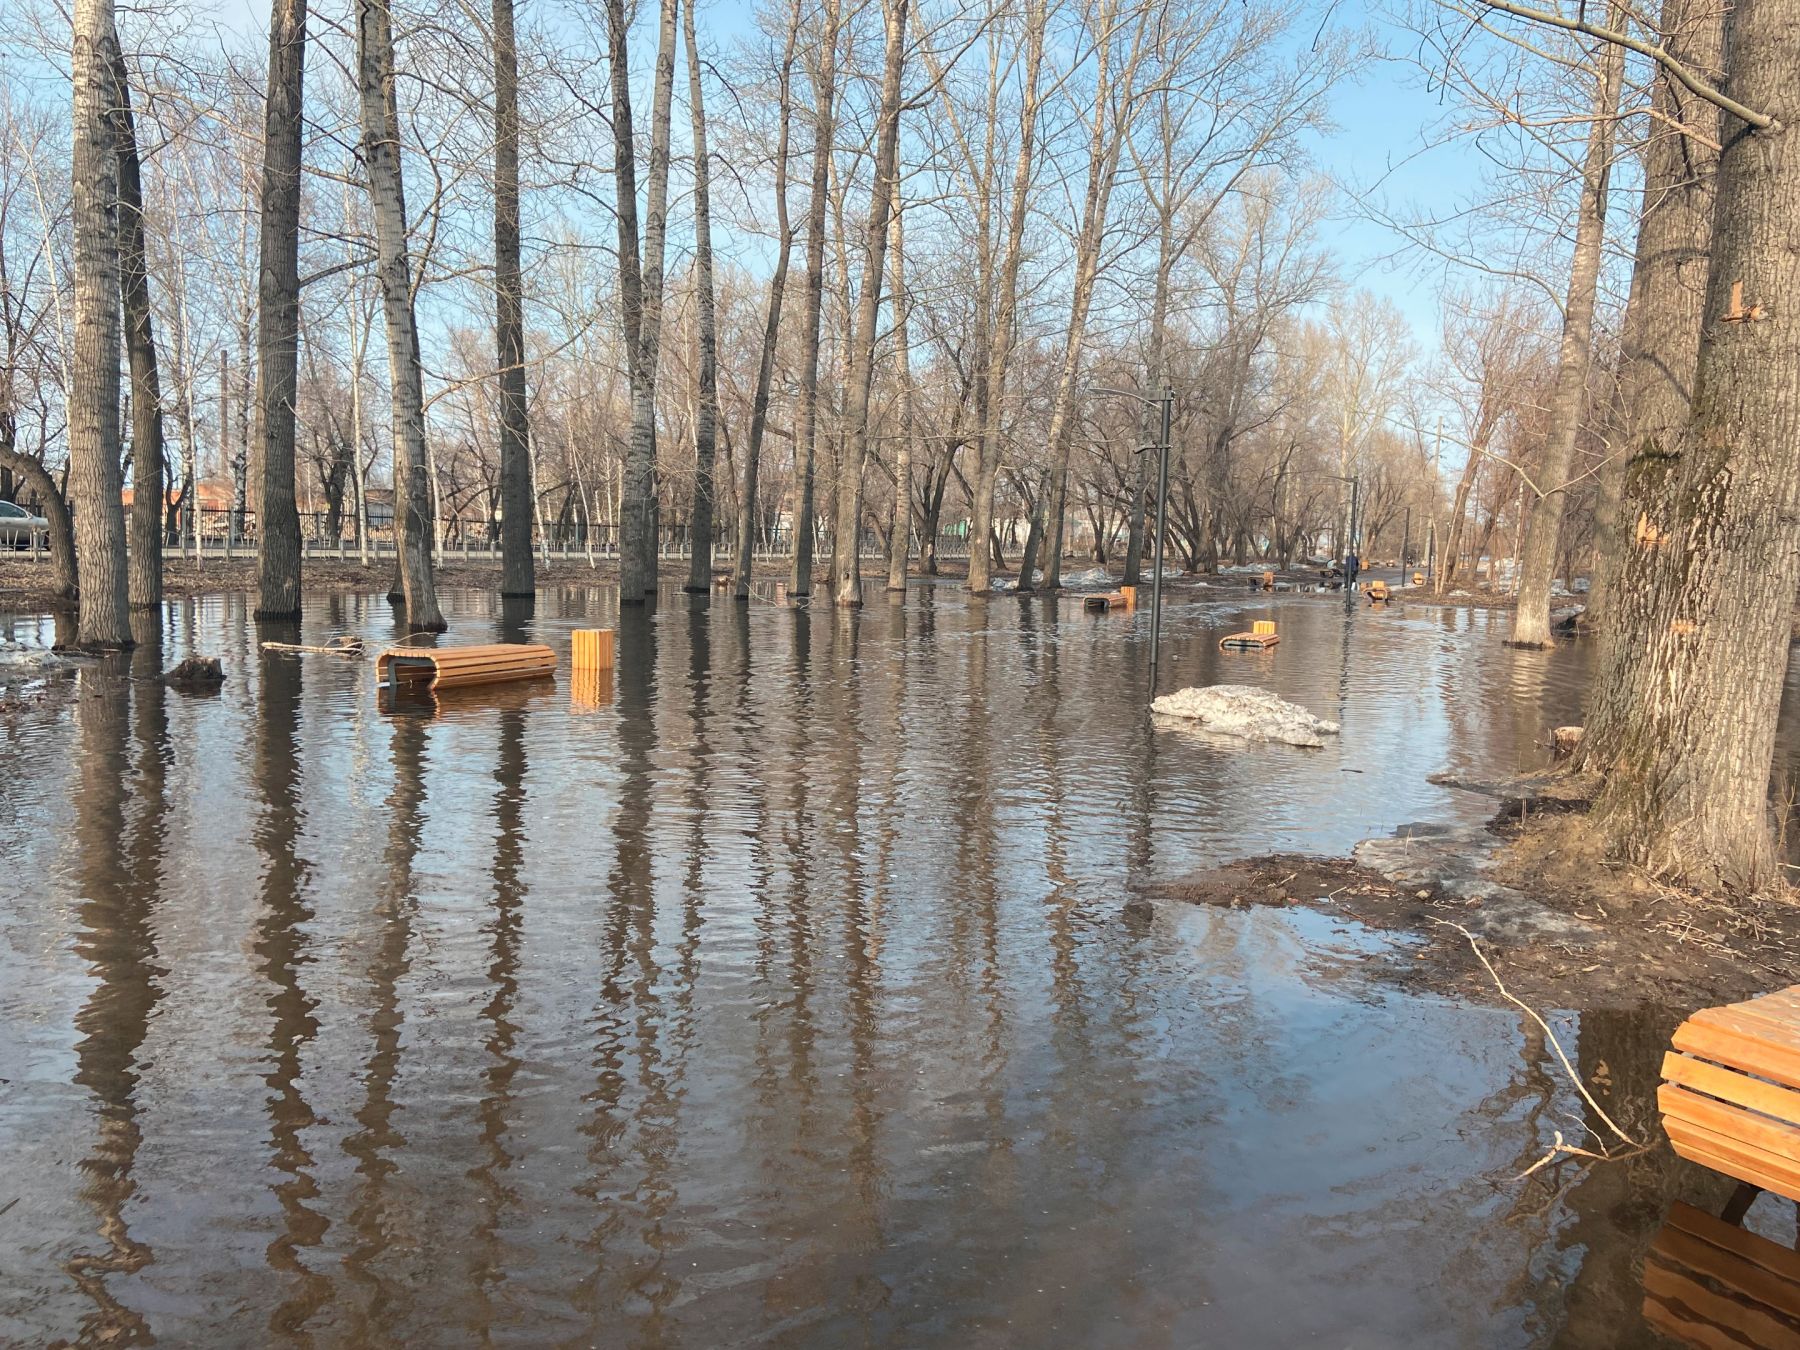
pixel 776 991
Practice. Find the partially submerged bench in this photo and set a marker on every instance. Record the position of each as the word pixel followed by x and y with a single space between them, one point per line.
pixel 1261 637
pixel 1730 1096
pixel 430 669
pixel 1124 600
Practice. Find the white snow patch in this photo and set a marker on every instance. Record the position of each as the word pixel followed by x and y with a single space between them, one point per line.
pixel 1242 710
pixel 19 661
pixel 1094 576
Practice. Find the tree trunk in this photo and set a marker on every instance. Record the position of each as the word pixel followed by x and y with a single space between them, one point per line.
pixel 806 422
pixel 278 315
pixel 765 369
pixel 381 155
pixel 1660 345
pixel 998 337
pixel 640 289
pixel 56 511
pixel 1544 505
pixel 900 531
pixel 706 414
pixel 518 569
pixel 94 394
pixel 144 566
pixel 846 561
pixel 1707 581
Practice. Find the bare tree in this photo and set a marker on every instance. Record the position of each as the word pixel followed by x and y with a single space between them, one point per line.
pixel 517 569
pixel 900 528
pixel 387 197
pixel 94 393
pixel 144 579
pixel 278 310
pixel 706 417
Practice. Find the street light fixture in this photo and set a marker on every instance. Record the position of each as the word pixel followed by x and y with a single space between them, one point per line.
pixel 1167 403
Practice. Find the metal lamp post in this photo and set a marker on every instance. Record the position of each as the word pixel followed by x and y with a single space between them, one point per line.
pixel 1167 403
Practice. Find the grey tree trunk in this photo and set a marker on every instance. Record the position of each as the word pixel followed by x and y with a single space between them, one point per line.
pixel 900 531
pixel 706 415
pixel 1660 345
pixel 278 314
pixel 144 564
pixel 1544 505
pixel 95 480
pixel 998 336
pixel 640 288
pixel 846 562
pixel 1706 583
pixel 807 420
pixel 518 568
pixel 387 196
pixel 66 585
pixel 765 369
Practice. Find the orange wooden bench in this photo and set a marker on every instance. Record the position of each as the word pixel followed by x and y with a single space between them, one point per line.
pixel 1710 1283
pixel 1261 637
pixel 429 669
pixel 1730 1096
pixel 1124 599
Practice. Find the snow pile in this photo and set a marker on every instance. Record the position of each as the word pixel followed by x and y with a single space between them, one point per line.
pixel 1094 576
pixel 20 662
pixel 1254 714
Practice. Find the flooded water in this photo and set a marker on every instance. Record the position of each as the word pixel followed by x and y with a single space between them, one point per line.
pixel 775 991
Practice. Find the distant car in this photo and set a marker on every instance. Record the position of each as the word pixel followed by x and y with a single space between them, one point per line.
pixel 19 528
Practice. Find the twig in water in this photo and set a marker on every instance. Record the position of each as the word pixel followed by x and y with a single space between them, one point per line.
pixel 1555 1044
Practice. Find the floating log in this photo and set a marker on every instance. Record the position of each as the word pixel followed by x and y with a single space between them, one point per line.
pixel 347 645
pixel 197 673
pixel 429 669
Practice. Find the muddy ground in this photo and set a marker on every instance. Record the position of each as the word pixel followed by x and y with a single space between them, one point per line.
pixel 1561 926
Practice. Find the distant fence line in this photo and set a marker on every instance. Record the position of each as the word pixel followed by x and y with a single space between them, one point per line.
pixel 227 534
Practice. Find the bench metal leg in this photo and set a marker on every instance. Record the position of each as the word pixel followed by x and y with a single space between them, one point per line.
pixel 1739 1204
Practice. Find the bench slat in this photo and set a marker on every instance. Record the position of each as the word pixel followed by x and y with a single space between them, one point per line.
pixel 1756 1324
pixel 1739 1045
pixel 1734 1122
pixel 1759 1017
pixel 1734 1158
pixel 1739 1243
pixel 1734 1087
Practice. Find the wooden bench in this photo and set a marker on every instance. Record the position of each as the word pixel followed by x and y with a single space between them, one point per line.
pixel 1710 1283
pixel 429 669
pixel 1260 638
pixel 1124 600
pixel 1378 592
pixel 1730 1097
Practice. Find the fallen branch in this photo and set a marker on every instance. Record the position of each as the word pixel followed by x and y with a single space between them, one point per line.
pixel 338 646
pixel 1555 1045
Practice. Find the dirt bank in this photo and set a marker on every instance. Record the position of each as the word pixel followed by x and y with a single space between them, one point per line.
pixel 1563 927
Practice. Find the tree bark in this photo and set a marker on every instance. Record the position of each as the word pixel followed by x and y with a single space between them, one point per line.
pixel 61 532
pixel 387 196
pixel 1544 505
pixel 518 568
pixel 104 618
pixel 144 561
pixel 1660 344
pixel 640 288
pixel 846 561
pixel 278 314
pixel 1706 582
pixel 706 414
pixel 806 422
pixel 900 531
pixel 765 369
pixel 998 337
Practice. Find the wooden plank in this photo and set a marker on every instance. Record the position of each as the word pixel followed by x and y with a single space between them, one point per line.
pixel 1734 1122
pixel 1735 1087
pixel 1676 1323
pixel 1754 1018
pixel 1754 1325
pixel 1739 1047
pixel 1733 1158
pixel 1740 1242
pixel 1734 1272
